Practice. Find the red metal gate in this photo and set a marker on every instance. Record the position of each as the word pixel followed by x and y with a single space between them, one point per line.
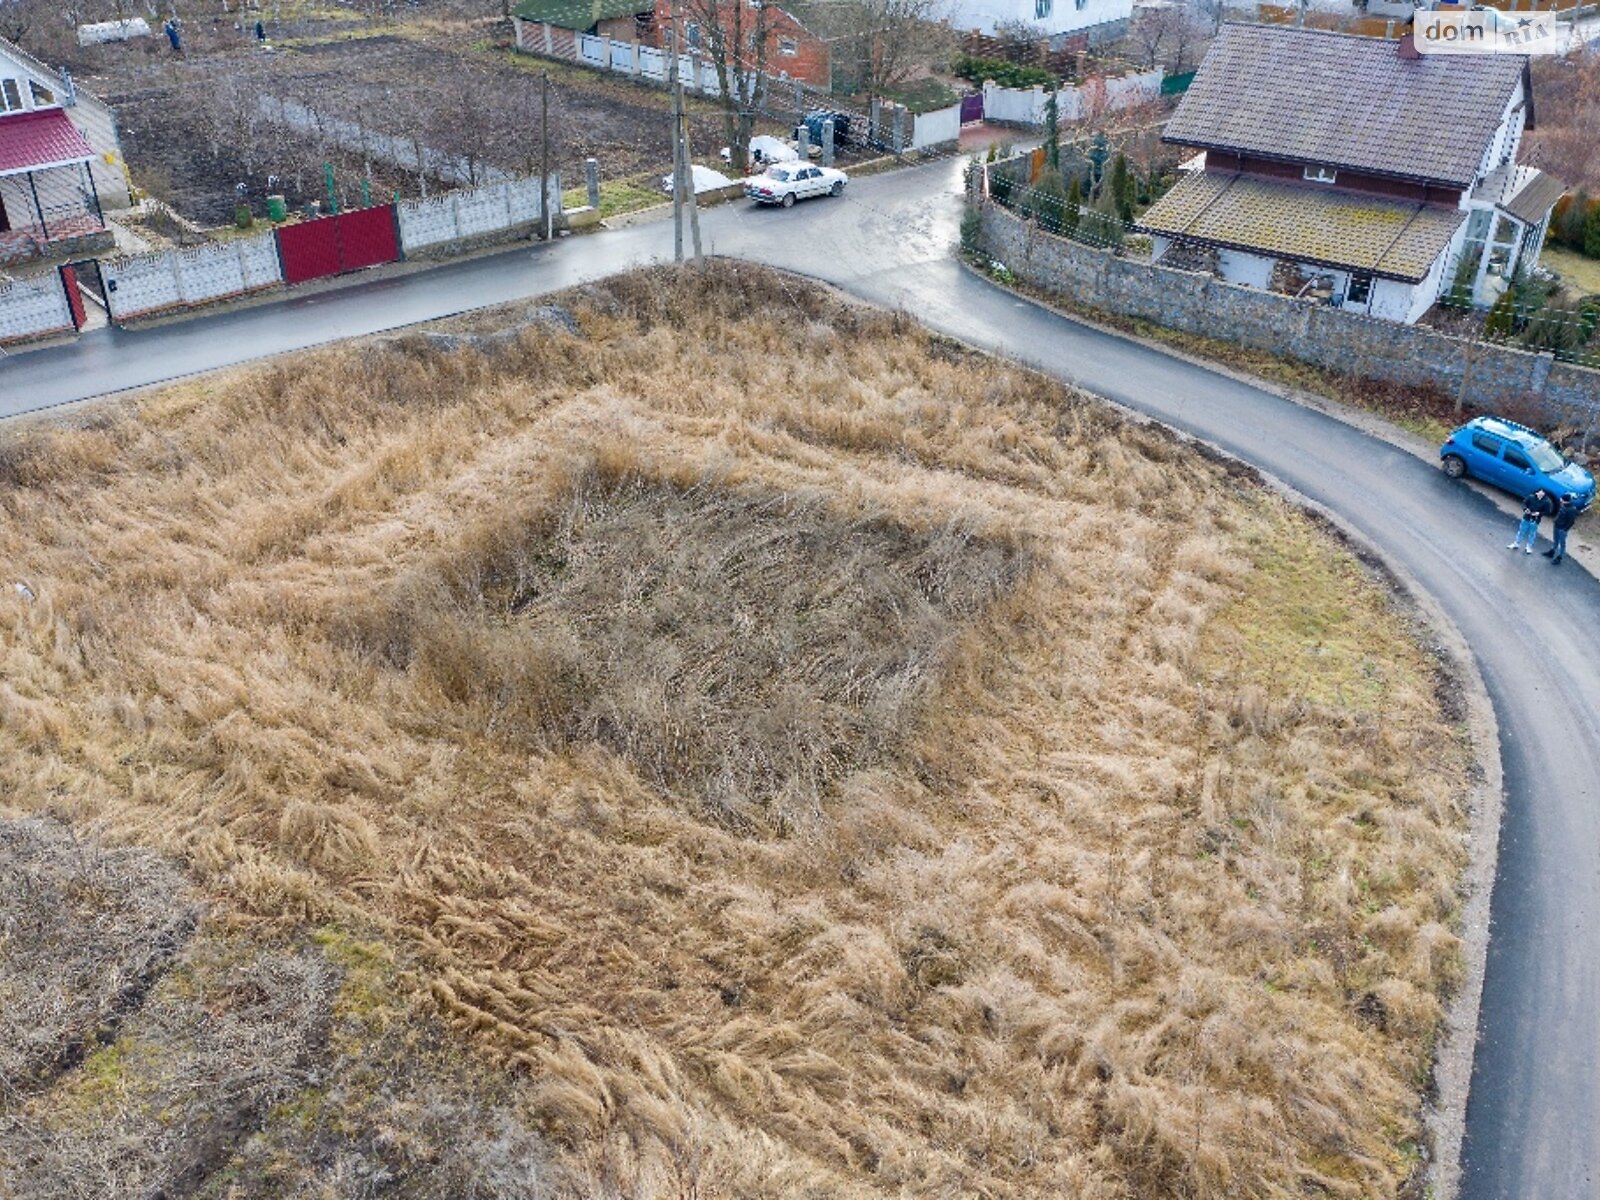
pixel 69 281
pixel 334 245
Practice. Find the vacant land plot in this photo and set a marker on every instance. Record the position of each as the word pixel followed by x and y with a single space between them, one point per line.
pixel 196 127
pixel 923 782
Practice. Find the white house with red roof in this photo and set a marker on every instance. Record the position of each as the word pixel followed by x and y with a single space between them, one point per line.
pixel 60 163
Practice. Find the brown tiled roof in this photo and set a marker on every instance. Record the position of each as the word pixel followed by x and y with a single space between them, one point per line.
pixel 1534 197
pixel 1322 226
pixel 1527 193
pixel 1315 96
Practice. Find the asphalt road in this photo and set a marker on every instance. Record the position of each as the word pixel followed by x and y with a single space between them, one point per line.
pixel 1533 1127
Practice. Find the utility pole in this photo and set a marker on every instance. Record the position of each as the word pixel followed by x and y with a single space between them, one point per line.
pixel 544 153
pixel 682 174
pixel 688 174
pixel 677 139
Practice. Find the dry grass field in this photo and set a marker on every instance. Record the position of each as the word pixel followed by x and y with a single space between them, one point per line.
pixel 801 757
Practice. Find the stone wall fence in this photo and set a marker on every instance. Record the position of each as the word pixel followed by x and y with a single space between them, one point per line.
pixel 1480 375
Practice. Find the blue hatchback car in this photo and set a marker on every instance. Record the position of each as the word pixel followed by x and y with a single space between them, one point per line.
pixel 1515 458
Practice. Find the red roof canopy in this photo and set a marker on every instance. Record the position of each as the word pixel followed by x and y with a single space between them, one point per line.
pixel 31 141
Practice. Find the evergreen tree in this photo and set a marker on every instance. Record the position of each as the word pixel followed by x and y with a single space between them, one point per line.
pixel 1122 189
pixel 1052 135
pixel 1502 319
pixel 1074 209
pixel 1591 232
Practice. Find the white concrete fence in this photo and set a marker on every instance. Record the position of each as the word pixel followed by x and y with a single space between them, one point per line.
pixel 473 212
pixel 1025 106
pixel 937 128
pixel 34 308
pixel 168 279
pixel 610 54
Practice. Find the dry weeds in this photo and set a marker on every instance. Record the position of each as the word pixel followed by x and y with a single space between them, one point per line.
pixel 1122 866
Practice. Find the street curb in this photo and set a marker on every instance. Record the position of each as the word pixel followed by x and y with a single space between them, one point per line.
pixel 1444 1118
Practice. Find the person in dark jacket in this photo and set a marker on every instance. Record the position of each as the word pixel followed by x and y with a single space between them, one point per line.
pixel 1566 516
pixel 1534 509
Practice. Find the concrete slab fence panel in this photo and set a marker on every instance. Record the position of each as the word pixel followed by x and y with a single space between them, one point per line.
pixel 33 308
pixel 936 128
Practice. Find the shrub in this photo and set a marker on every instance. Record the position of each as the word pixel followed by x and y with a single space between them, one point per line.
pixel 971 229
pixel 1566 223
pixel 1591 232
pixel 1046 203
pixel 1552 329
pixel 1588 317
pixel 1001 187
pixel 1459 297
pixel 1502 319
pixel 1006 74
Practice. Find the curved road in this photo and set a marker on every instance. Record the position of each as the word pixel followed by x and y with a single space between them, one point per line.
pixel 1533 1119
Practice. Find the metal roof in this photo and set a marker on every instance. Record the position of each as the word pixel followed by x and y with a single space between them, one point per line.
pixel 1316 96
pixel 1326 227
pixel 32 141
pixel 579 14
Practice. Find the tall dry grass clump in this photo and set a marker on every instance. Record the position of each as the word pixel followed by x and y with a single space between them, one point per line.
pixel 820 760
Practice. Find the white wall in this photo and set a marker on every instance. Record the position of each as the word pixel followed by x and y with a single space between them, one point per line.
pixel 1026 106
pixel 1507 135
pixel 934 128
pixel 1058 16
pixel 34 307
pixel 1394 301
pixel 472 212
pixel 1250 270
pixel 148 283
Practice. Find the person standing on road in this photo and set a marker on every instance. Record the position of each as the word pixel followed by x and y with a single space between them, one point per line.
pixel 1566 516
pixel 1534 509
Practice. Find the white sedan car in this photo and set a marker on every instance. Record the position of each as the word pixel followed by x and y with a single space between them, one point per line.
pixel 784 183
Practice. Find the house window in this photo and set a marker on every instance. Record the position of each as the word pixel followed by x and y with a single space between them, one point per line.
pixel 41 94
pixel 10 95
pixel 1360 289
pixel 691 34
pixel 1320 174
pixel 788 47
pixel 1041 9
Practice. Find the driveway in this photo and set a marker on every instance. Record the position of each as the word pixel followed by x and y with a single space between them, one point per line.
pixel 1533 1125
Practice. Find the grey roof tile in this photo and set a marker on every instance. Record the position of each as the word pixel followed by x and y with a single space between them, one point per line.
pixel 1312 95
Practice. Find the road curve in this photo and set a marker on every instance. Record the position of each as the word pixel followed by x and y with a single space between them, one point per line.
pixel 1533 1119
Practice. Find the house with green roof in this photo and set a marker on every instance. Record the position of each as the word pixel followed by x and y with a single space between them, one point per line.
pixel 623 19
pixel 1354 169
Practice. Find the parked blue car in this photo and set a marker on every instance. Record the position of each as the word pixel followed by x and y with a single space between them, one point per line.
pixel 1515 458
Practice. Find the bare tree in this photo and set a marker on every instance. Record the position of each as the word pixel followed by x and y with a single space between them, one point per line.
pixel 734 34
pixel 1164 32
pixel 878 44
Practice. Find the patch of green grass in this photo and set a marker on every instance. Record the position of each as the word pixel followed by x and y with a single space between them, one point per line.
pixel 1306 624
pixel 616 198
pixel 923 95
pixel 368 993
